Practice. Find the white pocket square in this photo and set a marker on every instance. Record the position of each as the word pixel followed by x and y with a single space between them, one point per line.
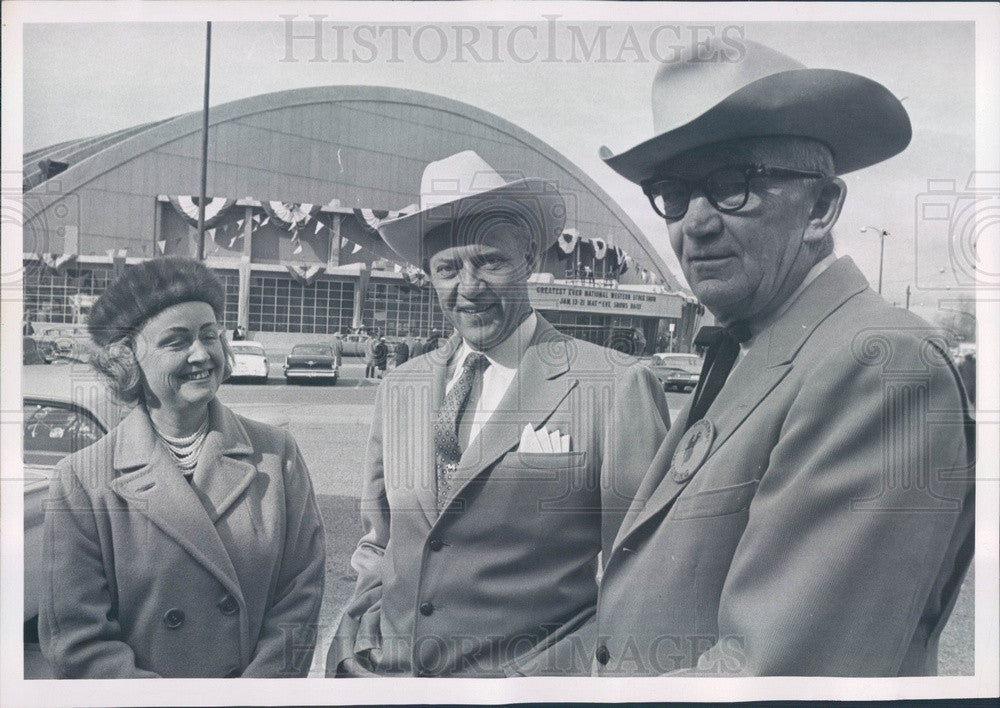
pixel 543 440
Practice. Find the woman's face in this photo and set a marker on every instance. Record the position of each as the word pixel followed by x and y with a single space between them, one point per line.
pixel 181 356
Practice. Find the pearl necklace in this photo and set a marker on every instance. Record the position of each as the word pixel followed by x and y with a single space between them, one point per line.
pixel 186 450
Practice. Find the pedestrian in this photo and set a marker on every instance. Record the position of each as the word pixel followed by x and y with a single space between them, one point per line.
pixel 369 346
pixel 338 349
pixel 402 353
pixel 433 340
pixel 480 557
pixel 380 356
pixel 186 543
pixel 802 517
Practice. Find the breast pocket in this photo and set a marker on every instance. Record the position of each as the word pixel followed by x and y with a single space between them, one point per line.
pixel 556 480
pixel 714 502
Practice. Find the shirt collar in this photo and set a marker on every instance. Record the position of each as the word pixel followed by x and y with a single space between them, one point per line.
pixel 508 353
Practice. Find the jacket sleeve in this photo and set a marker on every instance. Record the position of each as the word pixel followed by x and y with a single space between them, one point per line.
pixel 288 633
pixel 77 616
pixel 850 546
pixel 358 630
pixel 635 426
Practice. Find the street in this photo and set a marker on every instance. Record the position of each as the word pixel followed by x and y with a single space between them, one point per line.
pixel 330 424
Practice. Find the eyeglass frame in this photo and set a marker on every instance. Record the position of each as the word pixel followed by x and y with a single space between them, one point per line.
pixel 749 172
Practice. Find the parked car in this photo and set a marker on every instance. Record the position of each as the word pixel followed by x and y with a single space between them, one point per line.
pixel 311 361
pixel 676 371
pixel 65 409
pixel 250 361
pixel 31 352
pixel 61 343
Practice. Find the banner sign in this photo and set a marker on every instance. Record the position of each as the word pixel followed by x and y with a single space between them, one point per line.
pixel 604 301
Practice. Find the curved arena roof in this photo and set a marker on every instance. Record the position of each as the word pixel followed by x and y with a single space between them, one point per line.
pixel 365 145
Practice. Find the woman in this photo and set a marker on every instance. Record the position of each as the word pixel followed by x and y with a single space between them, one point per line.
pixel 187 541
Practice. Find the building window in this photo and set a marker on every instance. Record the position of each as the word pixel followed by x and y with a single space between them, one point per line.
pixel 396 310
pixel 56 297
pixel 280 304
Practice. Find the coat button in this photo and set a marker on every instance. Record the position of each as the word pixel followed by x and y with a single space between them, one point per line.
pixel 436 544
pixel 173 618
pixel 427 609
pixel 602 655
pixel 228 605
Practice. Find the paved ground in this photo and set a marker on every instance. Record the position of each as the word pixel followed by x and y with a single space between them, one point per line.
pixel 331 425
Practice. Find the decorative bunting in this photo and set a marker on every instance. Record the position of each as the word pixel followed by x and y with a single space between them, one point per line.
pixel 319 227
pixel 58 261
pixel 162 245
pixel 373 218
pixel 304 273
pixel 291 215
pixel 215 209
pixel 568 240
pixel 600 248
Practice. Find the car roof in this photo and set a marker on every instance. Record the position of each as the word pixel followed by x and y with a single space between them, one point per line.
pixel 247 343
pixel 74 383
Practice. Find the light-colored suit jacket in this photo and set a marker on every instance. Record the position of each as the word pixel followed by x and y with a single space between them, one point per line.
pixel 822 522
pixel 507 572
pixel 147 574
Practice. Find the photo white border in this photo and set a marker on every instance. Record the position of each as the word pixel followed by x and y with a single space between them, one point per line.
pixel 985 682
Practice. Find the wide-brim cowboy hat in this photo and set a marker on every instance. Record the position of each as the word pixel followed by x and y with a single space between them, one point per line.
pixel 464 185
pixel 721 93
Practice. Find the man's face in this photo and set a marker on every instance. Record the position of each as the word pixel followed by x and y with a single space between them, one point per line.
pixel 482 285
pixel 737 263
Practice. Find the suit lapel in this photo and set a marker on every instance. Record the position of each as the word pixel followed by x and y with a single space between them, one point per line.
pixel 154 486
pixel 766 363
pixel 538 387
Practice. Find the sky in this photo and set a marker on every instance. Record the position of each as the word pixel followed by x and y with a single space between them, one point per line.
pixel 85 79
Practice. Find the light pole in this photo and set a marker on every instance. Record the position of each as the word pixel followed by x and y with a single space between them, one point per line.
pixel 882 233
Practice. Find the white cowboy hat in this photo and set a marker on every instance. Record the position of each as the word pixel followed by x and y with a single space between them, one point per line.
pixel 464 184
pixel 717 95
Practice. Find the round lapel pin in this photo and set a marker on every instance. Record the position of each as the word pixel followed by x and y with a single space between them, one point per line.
pixel 692 450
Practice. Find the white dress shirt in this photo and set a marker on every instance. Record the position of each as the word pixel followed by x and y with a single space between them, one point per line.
pixel 489 389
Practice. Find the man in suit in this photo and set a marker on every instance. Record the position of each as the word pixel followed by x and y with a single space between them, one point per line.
pixel 499 463
pixel 811 511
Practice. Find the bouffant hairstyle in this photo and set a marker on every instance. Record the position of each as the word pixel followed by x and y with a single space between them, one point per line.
pixel 143 291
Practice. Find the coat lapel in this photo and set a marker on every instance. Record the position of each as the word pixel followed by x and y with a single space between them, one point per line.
pixel 538 387
pixel 219 479
pixel 152 484
pixel 766 363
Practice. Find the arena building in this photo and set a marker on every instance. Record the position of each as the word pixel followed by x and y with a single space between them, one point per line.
pixel 298 181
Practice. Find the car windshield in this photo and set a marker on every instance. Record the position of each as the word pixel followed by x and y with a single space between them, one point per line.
pixel 247 349
pixel 53 430
pixel 306 350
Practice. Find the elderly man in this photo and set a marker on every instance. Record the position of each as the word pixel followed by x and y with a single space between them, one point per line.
pixel 498 463
pixel 811 511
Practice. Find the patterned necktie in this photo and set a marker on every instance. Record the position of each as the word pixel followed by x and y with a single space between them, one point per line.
pixel 446 427
pixel 723 350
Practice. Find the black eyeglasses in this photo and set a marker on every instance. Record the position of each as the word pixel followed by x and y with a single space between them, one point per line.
pixel 727 188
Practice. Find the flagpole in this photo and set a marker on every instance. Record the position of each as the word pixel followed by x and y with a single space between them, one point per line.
pixel 204 144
